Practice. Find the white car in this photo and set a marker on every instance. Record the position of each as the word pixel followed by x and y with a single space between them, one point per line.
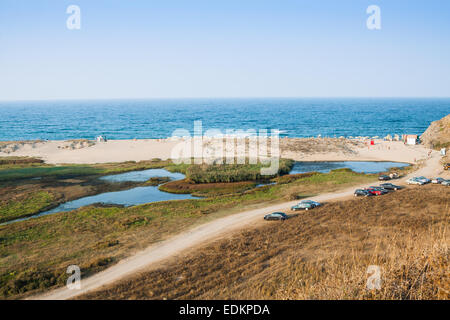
pixel 446 183
pixel 415 181
pixel 437 180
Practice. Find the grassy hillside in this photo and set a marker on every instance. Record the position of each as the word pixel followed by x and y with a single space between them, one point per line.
pixel 322 254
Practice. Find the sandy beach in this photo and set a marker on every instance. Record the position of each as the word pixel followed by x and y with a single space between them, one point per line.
pixel 301 149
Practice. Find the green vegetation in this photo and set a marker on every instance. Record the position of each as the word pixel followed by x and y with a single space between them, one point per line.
pixel 156 181
pixel 39 172
pixel 233 172
pixel 337 176
pixel 9 172
pixel 207 189
pixel 18 162
pixel 33 203
pixel 113 168
pixel 181 168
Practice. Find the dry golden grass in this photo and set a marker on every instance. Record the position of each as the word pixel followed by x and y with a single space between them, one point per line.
pixel 322 254
pixel 320 145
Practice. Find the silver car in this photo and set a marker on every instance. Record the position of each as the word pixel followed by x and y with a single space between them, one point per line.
pixel 303 206
pixel 424 179
pixel 415 181
pixel 315 203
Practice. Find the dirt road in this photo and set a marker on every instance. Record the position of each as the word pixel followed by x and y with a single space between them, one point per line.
pixel 200 235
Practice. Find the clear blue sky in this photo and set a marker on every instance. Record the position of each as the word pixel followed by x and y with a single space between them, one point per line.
pixel 227 48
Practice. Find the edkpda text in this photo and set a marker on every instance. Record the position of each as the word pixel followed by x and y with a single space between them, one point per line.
pixel 228 309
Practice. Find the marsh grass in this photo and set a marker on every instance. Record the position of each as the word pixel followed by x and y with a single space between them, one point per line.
pixel 207 189
pixel 47 171
pixel 10 172
pixel 26 205
pixel 18 162
pixel 234 172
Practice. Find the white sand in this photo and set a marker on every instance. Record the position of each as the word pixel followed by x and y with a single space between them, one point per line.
pixel 381 151
pixel 103 152
pixel 58 152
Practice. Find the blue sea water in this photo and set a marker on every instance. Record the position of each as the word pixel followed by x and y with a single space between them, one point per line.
pixel 128 119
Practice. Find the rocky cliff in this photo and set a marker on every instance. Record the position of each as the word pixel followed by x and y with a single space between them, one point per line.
pixel 438 134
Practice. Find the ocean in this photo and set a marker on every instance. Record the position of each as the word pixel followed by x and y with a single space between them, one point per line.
pixel 145 119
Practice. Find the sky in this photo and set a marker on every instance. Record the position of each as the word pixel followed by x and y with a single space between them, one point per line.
pixel 228 48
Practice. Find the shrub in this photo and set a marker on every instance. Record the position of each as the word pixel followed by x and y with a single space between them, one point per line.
pixel 233 172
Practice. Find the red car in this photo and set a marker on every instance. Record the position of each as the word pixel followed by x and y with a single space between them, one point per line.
pixel 375 191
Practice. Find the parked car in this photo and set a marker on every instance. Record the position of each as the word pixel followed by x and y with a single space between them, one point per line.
pixel 362 193
pixel 303 206
pixel 276 216
pixel 315 203
pixel 376 191
pixel 447 166
pixel 394 175
pixel 437 180
pixel 384 177
pixel 390 186
pixel 446 183
pixel 414 181
pixel 380 189
pixel 424 179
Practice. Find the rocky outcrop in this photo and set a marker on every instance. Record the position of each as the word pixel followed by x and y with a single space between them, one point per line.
pixel 438 134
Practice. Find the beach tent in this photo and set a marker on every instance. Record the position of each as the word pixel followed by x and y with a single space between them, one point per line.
pixel 101 139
